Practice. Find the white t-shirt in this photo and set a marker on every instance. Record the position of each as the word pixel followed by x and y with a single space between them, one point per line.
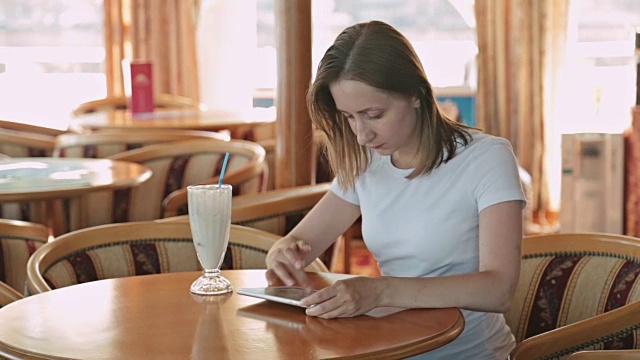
pixel 428 226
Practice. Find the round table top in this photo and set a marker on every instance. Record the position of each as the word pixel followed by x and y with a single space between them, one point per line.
pixel 40 178
pixel 212 120
pixel 155 316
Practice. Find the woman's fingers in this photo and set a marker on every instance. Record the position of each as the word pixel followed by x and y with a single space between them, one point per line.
pixel 296 253
pixel 345 298
pixel 288 274
pixel 272 277
pixel 287 265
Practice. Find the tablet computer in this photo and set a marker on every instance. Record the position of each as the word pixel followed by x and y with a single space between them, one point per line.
pixel 290 295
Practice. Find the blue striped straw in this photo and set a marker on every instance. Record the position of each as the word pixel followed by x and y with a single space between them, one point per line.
pixel 224 168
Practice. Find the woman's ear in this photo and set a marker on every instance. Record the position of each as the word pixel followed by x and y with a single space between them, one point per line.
pixel 415 102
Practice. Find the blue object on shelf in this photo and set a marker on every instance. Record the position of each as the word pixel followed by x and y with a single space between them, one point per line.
pixel 466 106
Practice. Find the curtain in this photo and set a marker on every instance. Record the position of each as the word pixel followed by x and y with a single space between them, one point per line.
pixel 632 175
pixel 520 51
pixel 162 32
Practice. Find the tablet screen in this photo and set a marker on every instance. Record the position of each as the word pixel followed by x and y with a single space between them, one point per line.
pixel 284 294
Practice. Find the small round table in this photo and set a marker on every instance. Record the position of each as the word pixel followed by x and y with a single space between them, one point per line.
pixel 155 316
pixel 237 122
pixel 29 179
pixel 48 179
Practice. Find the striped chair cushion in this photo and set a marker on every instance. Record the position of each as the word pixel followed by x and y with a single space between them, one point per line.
pixel 15 150
pixel 282 224
pixel 26 211
pixel 279 224
pixel 144 202
pixel 560 289
pixel 97 151
pixel 14 255
pixel 7 296
pixel 143 257
pixel 252 186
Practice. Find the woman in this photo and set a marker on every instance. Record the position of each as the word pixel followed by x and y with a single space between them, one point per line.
pixel 441 203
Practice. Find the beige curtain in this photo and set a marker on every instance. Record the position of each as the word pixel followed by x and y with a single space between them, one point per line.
pixel 163 32
pixel 521 45
pixel 632 175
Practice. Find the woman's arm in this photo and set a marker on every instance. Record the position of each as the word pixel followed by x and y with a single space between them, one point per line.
pixel 491 289
pixel 328 219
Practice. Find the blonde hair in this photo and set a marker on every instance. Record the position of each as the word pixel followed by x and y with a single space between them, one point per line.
pixel 378 55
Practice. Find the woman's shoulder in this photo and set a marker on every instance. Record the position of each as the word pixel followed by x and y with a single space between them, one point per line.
pixel 483 141
pixel 484 147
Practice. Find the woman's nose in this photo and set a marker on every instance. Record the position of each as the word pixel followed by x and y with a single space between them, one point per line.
pixel 363 134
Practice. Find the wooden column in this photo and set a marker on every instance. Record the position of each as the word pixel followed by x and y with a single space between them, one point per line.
pixel 116 28
pixel 294 132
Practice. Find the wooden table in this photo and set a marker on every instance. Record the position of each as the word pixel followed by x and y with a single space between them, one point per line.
pixel 155 317
pixel 38 179
pixel 237 122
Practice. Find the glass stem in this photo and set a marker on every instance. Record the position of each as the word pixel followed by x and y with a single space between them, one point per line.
pixel 210 273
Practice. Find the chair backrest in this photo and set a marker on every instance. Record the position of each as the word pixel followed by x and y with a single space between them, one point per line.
pixel 121 103
pixel 174 167
pixel 605 355
pixel 576 292
pixel 28 128
pixel 8 295
pixel 18 241
pixel 101 144
pixel 251 179
pixel 247 170
pixel 277 211
pixel 15 143
pixel 137 248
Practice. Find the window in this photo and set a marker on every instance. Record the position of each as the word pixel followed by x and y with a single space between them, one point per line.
pixel 597 89
pixel 442 33
pixel 601 65
pixel 51 59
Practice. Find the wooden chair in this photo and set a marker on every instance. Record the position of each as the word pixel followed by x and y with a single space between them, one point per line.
pixel 122 102
pixel 138 248
pixel 14 143
pixel 279 211
pixel 101 144
pixel 18 241
pixel 576 292
pixel 8 295
pixel 276 211
pixel 174 167
pixel 28 128
pixel 605 355
pixel 247 172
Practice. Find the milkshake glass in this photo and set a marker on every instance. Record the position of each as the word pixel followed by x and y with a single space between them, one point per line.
pixel 210 221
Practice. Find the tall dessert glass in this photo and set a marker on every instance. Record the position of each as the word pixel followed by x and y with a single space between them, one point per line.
pixel 210 220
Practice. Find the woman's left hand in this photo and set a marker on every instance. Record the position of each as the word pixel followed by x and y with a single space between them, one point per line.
pixel 345 298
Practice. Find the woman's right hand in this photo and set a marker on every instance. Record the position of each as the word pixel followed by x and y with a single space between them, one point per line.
pixel 286 263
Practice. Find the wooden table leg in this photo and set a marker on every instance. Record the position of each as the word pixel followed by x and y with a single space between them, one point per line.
pixel 347 254
pixel 53 218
